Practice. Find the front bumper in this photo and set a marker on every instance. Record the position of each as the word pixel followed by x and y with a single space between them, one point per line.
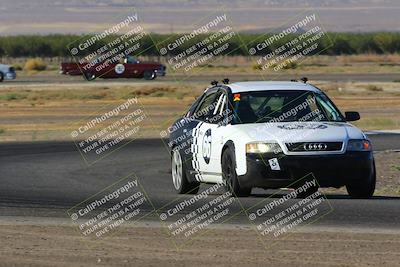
pixel 333 170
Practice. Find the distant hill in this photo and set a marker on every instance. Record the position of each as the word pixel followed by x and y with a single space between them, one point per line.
pixel 80 16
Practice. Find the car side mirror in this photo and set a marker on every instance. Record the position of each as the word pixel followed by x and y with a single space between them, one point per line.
pixel 352 116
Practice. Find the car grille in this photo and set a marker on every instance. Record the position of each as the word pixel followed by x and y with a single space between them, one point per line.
pixel 314 146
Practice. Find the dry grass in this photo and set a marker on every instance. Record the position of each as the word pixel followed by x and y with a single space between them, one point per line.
pixel 48 114
pixel 35 64
pixel 369 58
pixel 94 92
pixel 374 88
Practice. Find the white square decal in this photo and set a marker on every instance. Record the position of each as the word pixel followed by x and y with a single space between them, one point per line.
pixel 274 164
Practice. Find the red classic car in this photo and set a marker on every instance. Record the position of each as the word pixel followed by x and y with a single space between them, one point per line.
pixel 130 67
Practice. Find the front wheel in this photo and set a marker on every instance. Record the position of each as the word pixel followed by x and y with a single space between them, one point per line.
pixel 230 177
pixel 363 189
pixel 149 75
pixel 179 179
pixel 1 77
pixel 89 76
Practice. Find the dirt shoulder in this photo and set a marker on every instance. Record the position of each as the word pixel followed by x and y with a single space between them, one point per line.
pixel 44 245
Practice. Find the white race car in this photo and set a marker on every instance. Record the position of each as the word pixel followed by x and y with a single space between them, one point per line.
pixel 269 135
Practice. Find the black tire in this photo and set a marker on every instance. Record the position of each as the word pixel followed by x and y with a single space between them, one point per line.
pixel 228 165
pixel 89 76
pixel 183 186
pixel 149 75
pixel 364 189
pixel 1 77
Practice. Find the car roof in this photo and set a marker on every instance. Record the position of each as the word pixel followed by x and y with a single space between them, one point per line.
pixel 270 85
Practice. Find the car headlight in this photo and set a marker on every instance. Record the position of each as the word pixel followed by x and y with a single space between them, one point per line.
pixel 358 145
pixel 263 148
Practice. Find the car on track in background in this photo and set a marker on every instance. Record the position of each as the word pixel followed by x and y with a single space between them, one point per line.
pixel 130 67
pixel 7 72
pixel 269 135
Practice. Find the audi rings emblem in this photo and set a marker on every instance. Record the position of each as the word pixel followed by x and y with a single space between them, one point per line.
pixel 315 147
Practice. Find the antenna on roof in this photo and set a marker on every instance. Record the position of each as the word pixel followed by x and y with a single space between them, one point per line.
pixel 214 83
pixel 225 81
pixel 304 79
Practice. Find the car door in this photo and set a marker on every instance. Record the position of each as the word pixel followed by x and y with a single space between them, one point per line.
pixel 181 137
pixel 207 138
pixel 220 119
pixel 185 134
pixel 133 70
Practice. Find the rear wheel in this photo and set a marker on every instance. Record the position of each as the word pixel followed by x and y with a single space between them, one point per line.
pixel 1 77
pixel 364 189
pixel 230 177
pixel 179 179
pixel 149 75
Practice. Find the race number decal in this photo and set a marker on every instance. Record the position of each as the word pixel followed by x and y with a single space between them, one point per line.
pixel 207 146
pixel 119 68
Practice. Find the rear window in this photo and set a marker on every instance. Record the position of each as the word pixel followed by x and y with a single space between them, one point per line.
pixel 11 69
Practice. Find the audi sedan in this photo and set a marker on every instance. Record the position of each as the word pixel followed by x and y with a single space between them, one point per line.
pixel 270 135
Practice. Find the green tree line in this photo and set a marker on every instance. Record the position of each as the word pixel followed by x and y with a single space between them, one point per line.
pixel 330 44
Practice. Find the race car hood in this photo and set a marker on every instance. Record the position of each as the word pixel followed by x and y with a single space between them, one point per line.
pixel 285 132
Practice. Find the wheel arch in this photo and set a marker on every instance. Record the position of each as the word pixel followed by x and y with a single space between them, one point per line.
pixel 172 149
pixel 229 145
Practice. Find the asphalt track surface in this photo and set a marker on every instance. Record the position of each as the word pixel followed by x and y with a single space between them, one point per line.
pixel 46 179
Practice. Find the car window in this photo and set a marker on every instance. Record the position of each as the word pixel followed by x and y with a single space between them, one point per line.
pixel 206 107
pixel 194 106
pixel 272 103
pixel 327 108
pixel 130 60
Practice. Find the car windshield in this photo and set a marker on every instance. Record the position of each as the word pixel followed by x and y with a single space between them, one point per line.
pixel 283 106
